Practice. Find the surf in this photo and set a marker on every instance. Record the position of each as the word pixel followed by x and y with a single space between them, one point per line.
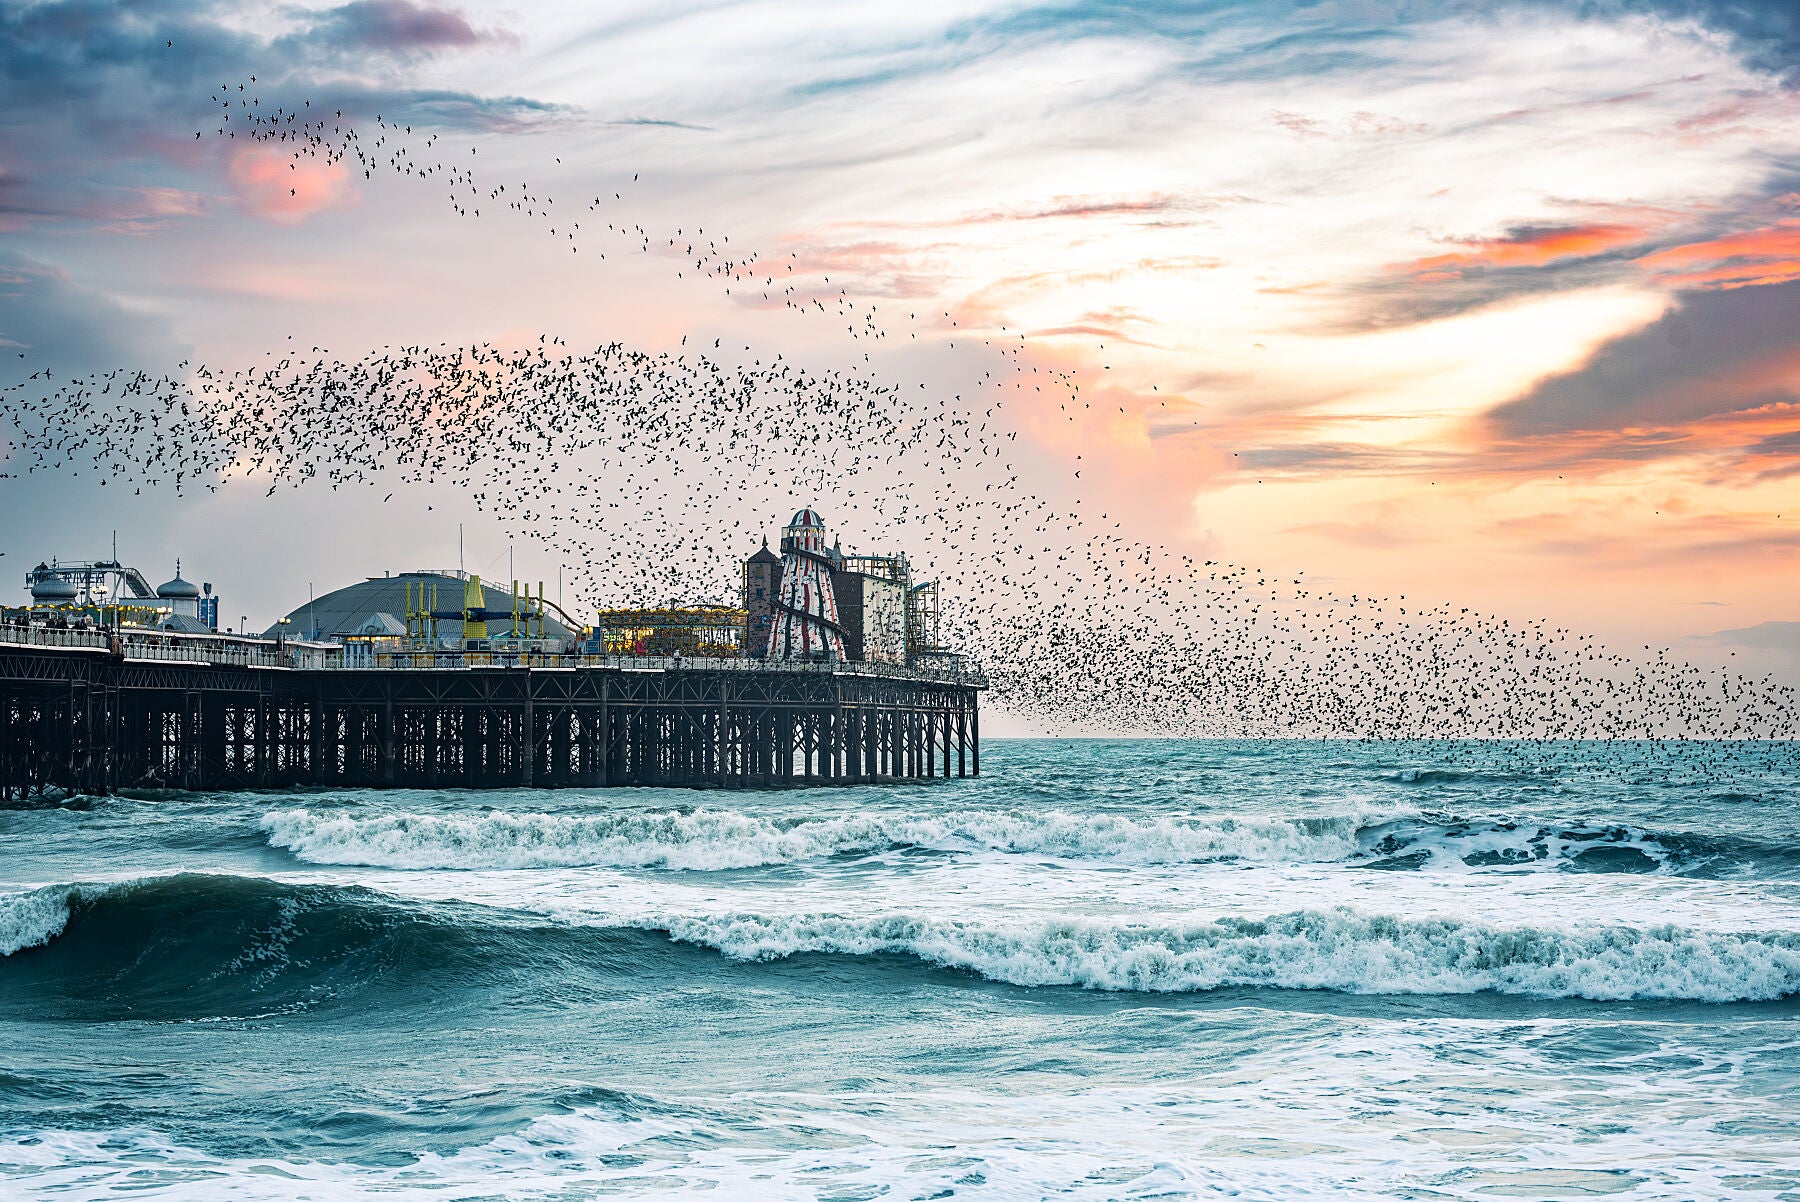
pixel 712 840
pixel 187 945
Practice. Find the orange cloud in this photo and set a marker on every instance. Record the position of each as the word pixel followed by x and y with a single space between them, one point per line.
pixel 1739 447
pixel 1529 248
pixel 276 186
pixel 1769 255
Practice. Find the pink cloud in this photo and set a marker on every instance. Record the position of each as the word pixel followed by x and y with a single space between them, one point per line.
pixel 275 186
pixel 403 27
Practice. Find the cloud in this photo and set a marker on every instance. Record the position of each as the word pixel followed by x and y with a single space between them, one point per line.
pixel 64 328
pixel 1750 240
pixel 1529 247
pixel 1713 353
pixel 100 99
pixel 626 122
pixel 1767 255
pixel 1766 636
pixel 272 184
pixel 1771 645
pixel 68 327
pixel 400 27
pixel 112 209
pixel 1766 32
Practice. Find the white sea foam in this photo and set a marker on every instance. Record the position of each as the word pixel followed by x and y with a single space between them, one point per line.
pixel 1447 842
pixel 1337 949
pixel 722 839
pixel 33 918
pixel 1274 1129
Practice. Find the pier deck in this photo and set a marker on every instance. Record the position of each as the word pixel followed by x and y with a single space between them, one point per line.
pixel 88 711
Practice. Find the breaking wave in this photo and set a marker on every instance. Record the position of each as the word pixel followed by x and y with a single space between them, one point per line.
pixel 205 946
pixel 721 839
pixel 186 947
pixel 1310 949
pixel 34 919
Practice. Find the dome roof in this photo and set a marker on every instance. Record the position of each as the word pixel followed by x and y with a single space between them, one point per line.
pixel 177 589
pixel 807 518
pixel 52 588
pixel 347 611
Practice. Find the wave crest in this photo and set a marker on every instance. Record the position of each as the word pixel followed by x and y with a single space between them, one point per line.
pixel 720 839
pixel 712 840
pixel 35 918
pixel 1338 950
pixel 185 946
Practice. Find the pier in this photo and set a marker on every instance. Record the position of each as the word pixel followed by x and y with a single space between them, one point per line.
pixel 94 711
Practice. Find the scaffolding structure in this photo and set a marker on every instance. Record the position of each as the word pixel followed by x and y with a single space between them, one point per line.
pixel 474 615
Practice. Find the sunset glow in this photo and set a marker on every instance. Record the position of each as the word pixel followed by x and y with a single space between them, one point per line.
pixel 1493 306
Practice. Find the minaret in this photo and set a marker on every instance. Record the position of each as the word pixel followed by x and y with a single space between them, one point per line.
pixel 806 614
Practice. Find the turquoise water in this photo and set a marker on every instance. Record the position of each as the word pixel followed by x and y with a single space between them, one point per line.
pixel 1102 970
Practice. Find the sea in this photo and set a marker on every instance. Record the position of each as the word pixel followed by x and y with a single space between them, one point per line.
pixel 1104 969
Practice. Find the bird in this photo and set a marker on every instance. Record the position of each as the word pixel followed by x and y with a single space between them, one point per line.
pixel 636 461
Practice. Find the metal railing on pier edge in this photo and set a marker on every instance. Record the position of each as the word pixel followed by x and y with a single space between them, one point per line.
pixel 235 650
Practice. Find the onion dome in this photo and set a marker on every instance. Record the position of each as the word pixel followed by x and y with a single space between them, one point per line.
pixel 52 588
pixel 807 519
pixel 177 589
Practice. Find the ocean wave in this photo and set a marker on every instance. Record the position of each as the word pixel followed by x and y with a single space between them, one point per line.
pixel 722 839
pixel 713 840
pixel 1435 776
pixel 193 946
pixel 1338 950
pixel 35 918
pixel 1442 840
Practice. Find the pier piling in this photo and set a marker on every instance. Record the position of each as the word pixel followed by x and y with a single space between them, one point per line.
pixel 85 719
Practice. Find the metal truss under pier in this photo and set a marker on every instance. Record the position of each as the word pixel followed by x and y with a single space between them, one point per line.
pixel 83 720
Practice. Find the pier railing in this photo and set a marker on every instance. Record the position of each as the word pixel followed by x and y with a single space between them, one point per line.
pixel 241 651
pixel 444 660
pixel 50 636
pixel 172 647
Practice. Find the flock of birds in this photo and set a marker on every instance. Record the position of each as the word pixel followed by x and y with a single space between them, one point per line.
pixel 653 473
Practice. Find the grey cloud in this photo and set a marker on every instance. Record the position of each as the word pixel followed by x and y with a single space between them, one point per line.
pixel 1697 360
pixel 1767 646
pixel 399 27
pixel 68 328
pixel 1767 32
pixel 664 124
pixel 1278 38
pixel 103 96
pixel 65 328
pixel 1764 636
pixel 1403 300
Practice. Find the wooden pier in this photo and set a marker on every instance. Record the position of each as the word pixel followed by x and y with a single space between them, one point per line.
pixel 92 716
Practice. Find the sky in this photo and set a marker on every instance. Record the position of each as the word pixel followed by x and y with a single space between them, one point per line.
pixel 1488 304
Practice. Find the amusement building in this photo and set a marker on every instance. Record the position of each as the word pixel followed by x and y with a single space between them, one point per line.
pixel 810 602
pixel 828 670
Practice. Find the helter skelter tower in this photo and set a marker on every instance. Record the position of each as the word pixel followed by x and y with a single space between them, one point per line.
pixel 806 613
